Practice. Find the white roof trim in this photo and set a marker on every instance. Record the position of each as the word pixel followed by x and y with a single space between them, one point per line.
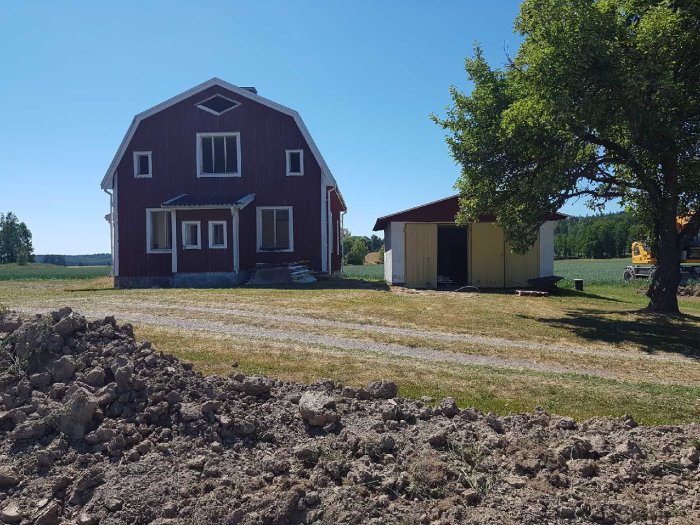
pixel 107 180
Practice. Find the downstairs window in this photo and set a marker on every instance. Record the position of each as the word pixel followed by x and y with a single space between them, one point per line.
pixel 191 235
pixel 158 231
pixel 275 229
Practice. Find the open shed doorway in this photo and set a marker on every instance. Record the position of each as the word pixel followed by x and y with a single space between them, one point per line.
pixel 452 256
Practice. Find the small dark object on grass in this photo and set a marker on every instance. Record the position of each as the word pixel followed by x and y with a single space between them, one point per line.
pixel 545 284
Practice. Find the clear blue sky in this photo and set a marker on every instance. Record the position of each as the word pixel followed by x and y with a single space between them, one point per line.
pixel 364 75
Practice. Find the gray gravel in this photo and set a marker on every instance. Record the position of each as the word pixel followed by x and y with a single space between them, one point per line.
pixel 233 328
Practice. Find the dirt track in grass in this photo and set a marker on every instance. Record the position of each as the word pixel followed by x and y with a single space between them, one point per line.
pixel 181 317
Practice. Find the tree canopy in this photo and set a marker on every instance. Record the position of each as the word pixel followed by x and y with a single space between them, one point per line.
pixel 15 240
pixel 602 101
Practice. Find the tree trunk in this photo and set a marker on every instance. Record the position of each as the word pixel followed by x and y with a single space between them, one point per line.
pixel 663 290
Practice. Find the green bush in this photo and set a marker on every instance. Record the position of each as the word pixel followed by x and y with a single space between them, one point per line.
pixel 357 253
pixel 380 255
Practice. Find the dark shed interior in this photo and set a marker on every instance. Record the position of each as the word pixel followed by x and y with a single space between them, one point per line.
pixel 452 256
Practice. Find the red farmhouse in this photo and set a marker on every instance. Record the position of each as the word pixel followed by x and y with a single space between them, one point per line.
pixel 213 181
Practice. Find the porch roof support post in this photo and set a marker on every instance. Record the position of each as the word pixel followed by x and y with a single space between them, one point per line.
pixel 234 228
pixel 173 242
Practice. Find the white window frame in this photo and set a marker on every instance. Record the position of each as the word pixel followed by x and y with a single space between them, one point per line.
pixel 211 235
pixel 138 154
pixel 258 212
pixel 217 113
pixel 201 136
pixel 197 246
pixel 301 162
pixel 149 231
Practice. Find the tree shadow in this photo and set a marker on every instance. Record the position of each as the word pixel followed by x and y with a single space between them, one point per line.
pixel 568 292
pixel 326 284
pixel 653 334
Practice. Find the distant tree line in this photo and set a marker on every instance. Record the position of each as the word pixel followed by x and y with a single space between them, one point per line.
pixel 95 259
pixel 356 247
pixel 15 240
pixel 597 237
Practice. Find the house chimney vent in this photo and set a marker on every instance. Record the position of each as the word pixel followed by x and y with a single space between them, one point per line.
pixel 250 88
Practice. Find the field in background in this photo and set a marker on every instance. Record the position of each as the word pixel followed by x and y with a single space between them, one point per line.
pixel 372 258
pixel 366 272
pixel 592 271
pixel 37 271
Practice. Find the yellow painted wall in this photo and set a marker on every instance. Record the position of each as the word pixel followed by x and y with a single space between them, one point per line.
pixel 486 255
pixel 521 267
pixel 421 255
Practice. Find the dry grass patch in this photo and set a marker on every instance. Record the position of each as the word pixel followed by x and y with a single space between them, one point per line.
pixel 486 388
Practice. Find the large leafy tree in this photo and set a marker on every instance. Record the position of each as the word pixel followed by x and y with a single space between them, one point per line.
pixel 15 240
pixel 602 101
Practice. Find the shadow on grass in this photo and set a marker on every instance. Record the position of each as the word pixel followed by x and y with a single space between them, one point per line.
pixel 568 292
pixel 327 284
pixel 652 334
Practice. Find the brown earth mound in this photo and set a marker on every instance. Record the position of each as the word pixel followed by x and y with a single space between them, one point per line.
pixel 98 428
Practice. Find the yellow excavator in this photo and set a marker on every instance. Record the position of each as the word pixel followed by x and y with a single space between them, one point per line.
pixel 644 264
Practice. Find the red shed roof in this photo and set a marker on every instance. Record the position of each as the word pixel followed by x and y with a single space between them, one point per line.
pixel 443 210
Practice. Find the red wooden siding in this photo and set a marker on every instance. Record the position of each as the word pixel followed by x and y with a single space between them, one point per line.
pixel 265 134
pixel 205 259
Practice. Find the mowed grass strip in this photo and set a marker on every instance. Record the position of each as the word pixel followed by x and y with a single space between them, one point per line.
pixel 488 389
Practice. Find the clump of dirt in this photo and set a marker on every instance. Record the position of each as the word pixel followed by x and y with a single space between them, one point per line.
pixel 96 427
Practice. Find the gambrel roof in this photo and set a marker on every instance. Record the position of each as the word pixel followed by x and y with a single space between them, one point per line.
pixel 108 180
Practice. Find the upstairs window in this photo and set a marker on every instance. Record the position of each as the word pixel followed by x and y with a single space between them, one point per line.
pixel 143 164
pixel 158 231
pixel 218 155
pixel 217 234
pixel 218 105
pixel 191 235
pixel 295 162
pixel 275 229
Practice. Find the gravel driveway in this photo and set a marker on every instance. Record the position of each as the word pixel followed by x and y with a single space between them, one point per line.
pixel 138 313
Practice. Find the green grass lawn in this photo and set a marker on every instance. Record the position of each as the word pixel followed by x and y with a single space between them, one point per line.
pixel 38 271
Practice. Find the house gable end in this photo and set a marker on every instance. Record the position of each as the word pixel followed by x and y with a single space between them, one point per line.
pixel 242 95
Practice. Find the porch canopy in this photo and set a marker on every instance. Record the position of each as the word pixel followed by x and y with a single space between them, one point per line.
pixel 214 200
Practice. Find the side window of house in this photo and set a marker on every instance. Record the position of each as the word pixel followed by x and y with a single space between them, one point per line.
pixel 159 233
pixel 143 164
pixel 218 155
pixel 191 235
pixel 217 234
pixel 295 162
pixel 275 229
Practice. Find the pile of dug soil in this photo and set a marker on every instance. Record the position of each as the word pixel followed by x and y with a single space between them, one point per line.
pixel 96 427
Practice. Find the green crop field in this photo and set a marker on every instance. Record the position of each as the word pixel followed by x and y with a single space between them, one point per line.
pixel 14 272
pixel 366 272
pixel 592 271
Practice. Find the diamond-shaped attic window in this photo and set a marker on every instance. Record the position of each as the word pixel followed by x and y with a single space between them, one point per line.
pixel 218 104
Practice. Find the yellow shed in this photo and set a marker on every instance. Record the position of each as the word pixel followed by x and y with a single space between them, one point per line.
pixel 424 248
